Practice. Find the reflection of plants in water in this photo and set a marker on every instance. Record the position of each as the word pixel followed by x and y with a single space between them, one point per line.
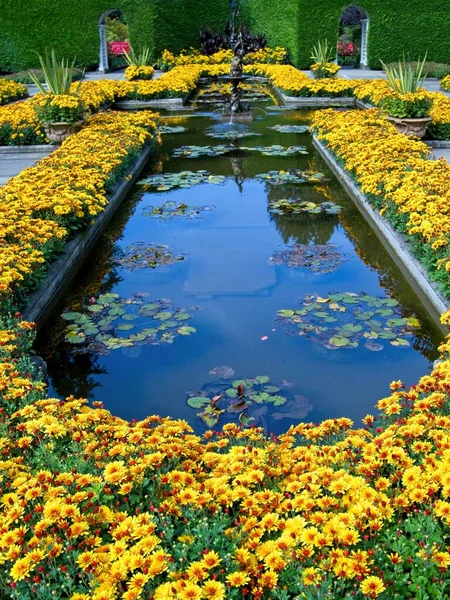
pixel 109 322
pixel 74 374
pixel 246 400
pixel 344 320
pixel 316 258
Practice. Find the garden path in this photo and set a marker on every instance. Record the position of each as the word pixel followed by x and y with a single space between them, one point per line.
pixel 14 160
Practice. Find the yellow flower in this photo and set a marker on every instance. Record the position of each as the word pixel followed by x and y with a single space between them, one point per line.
pixel 213 590
pixel 238 578
pixel 372 586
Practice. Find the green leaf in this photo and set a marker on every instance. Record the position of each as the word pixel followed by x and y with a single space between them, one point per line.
pixel 198 401
pixel 262 379
pixel 285 312
pixel 339 341
pixel 186 330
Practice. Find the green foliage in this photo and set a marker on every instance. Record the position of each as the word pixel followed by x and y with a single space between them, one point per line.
pixel 142 58
pixel 30 26
pixel 58 74
pixel 430 69
pixel 407 109
pixel 397 27
pixel 25 76
pixel 322 52
pixel 405 78
pixel 116 30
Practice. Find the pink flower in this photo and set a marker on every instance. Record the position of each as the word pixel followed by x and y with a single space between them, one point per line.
pixel 118 48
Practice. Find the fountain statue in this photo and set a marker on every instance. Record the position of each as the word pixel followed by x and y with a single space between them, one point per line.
pixel 238 111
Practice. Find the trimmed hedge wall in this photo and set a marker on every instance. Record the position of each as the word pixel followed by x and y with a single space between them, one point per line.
pixel 397 27
pixel 71 27
pixel 412 27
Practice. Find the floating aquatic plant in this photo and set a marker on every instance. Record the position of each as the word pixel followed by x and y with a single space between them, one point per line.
pixel 224 372
pixel 237 398
pixel 197 151
pixel 290 128
pixel 292 176
pixel 317 258
pixel 110 322
pixel 277 150
pixel 183 179
pixel 171 129
pixel 344 320
pixel 296 207
pixel 170 209
pixel 142 255
pixel 231 134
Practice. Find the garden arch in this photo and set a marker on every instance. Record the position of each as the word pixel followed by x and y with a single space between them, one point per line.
pixel 103 63
pixel 353 15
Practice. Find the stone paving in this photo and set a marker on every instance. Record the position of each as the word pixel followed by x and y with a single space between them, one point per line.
pixel 14 160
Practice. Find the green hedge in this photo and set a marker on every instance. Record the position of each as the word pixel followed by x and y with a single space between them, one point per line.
pixel 71 27
pixel 412 27
pixel 396 27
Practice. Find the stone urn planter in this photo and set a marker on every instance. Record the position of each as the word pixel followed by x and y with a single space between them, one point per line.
pixel 58 132
pixel 411 127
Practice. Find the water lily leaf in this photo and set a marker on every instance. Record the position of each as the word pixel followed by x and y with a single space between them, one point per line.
pixel 95 308
pixel 285 312
pixel 290 128
pixel 400 342
pixel 231 392
pixel 261 379
pixel 260 398
pixel 278 400
pixel 339 341
pixel 186 330
pixel 389 302
pixel 70 316
pixel 271 389
pixel 183 316
pixel 198 401
pixel 384 312
pixel 397 322
pixel 129 317
pixel 163 315
pixel 125 326
pixel 413 322
pixel 349 327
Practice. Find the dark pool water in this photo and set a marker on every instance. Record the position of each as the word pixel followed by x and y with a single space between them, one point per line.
pixel 227 277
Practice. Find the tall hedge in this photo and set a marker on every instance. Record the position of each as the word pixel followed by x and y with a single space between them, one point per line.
pixel 397 27
pixel 71 26
pixel 412 27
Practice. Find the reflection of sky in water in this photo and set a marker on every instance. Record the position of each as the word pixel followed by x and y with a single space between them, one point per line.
pixel 226 274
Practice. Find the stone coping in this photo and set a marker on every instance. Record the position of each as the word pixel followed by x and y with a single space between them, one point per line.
pixel 61 271
pixel 397 244
pixel 29 149
pixel 314 101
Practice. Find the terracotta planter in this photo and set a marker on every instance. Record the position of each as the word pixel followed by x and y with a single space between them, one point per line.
pixel 58 132
pixel 411 127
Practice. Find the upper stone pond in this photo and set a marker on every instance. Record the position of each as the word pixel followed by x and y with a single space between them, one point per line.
pixel 238 281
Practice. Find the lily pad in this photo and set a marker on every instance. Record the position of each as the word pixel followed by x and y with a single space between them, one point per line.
pixel 290 128
pixel 218 399
pixel 276 150
pixel 171 129
pixel 230 134
pixel 184 179
pixel 125 322
pixel 296 207
pixel 337 321
pixel 199 151
pixel 142 255
pixel 169 209
pixel 292 176
pixel 317 258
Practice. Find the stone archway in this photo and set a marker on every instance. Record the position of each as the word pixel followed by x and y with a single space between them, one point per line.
pixel 356 17
pixel 103 63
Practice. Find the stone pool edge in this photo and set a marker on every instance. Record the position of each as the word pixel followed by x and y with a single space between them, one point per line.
pixel 397 245
pixel 61 272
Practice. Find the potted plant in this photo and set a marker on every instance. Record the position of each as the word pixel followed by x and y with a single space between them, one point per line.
pixel 139 64
pixel 408 106
pixel 322 67
pixel 60 108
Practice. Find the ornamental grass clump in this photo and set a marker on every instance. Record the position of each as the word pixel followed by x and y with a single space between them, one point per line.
pixel 408 100
pixel 322 55
pixel 60 102
pixel 139 63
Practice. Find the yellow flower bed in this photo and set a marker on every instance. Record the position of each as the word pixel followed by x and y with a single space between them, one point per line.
pixel 177 83
pixel 445 83
pixel 139 72
pixel 394 171
pixel 324 70
pixel 45 204
pixel 97 508
pixel 11 90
